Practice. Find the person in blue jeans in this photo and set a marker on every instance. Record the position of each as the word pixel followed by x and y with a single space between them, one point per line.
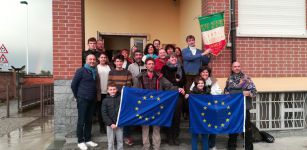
pixel 199 88
pixel 212 88
pixel 84 87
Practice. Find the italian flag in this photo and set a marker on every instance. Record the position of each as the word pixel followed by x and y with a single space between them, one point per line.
pixel 212 28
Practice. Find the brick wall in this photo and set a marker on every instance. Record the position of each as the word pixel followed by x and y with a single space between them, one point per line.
pixel 67 37
pixel 5 79
pixel 28 80
pixel 259 57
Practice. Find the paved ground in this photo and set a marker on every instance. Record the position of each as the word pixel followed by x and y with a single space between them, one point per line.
pixel 24 131
pixel 285 143
pixel 38 135
pixel 13 109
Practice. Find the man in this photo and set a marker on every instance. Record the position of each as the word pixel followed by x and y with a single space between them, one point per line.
pixel 120 76
pixel 91 42
pixel 100 46
pixel 236 83
pixel 135 68
pixel 193 59
pixel 156 43
pixel 155 81
pixel 84 87
pixel 138 66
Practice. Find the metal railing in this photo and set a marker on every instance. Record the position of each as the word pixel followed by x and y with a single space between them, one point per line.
pixel 280 111
pixel 33 95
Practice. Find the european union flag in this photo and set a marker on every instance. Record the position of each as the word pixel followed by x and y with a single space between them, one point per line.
pixel 146 107
pixel 217 114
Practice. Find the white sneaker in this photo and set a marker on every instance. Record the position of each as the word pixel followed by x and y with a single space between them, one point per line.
pixel 82 146
pixel 91 144
pixel 213 148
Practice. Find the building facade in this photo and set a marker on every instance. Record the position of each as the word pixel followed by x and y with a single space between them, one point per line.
pixel 277 63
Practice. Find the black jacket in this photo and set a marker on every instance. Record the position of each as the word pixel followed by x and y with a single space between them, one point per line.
pixel 83 85
pixel 171 74
pixel 109 109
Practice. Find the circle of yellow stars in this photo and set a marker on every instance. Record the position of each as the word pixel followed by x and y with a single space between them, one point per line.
pixel 146 118
pixel 203 114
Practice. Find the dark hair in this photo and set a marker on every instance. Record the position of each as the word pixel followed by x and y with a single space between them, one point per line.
pixel 112 84
pixel 92 39
pixel 124 50
pixel 147 47
pixel 172 54
pixel 103 53
pixel 189 37
pixel 201 69
pixel 156 40
pixel 168 46
pixel 120 57
pixel 198 78
pixel 179 50
pixel 137 51
pixel 149 59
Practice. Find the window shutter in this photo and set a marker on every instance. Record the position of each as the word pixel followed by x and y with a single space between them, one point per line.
pixel 272 18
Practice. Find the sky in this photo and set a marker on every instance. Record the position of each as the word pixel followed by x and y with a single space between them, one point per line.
pixel 13 33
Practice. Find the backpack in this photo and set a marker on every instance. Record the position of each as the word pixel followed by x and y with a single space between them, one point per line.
pixel 256 134
pixel 267 137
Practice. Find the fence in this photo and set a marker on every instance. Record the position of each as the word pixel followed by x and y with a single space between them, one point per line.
pixel 280 111
pixel 33 95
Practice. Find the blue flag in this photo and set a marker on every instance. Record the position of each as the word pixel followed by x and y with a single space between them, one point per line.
pixel 146 107
pixel 217 114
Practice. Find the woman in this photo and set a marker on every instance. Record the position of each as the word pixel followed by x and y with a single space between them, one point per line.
pixel 149 51
pixel 173 72
pixel 161 61
pixel 211 84
pixel 199 88
pixel 103 71
pixel 169 49
pixel 127 60
pixel 179 54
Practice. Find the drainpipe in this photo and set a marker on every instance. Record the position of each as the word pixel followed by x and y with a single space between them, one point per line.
pixel 233 31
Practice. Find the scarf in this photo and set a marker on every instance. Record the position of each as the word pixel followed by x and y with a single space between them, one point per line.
pixel 240 81
pixel 154 56
pixel 91 69
pixel 178 66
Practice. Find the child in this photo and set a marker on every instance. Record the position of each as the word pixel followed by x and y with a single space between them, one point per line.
pixel 109 110
pixel 199 88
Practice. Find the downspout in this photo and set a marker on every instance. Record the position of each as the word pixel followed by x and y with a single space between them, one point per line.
pixel 233 31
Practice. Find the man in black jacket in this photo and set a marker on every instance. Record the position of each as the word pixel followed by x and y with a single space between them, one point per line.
pixel 84 88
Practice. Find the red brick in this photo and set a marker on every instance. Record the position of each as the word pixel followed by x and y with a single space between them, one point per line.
pixel 259 57
pixel 67 37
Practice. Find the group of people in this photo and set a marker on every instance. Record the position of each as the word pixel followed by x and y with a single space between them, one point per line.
pixel 96 87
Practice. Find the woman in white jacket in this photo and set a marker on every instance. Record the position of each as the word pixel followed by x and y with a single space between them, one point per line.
pixel 211 83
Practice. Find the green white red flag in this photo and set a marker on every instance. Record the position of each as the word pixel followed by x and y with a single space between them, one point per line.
pixel 213 32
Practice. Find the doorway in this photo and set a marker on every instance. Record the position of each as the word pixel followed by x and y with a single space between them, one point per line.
pixel 113 43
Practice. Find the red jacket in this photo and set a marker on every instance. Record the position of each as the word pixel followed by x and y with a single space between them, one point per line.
pixel 159 63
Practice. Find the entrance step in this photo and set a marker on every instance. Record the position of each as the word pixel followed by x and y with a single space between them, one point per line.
pixel 185 140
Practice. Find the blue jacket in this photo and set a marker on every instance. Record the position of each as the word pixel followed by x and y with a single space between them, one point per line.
pixel 192 63
pixel 83 85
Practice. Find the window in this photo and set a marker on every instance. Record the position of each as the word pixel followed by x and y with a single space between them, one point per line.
pixel 272 18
